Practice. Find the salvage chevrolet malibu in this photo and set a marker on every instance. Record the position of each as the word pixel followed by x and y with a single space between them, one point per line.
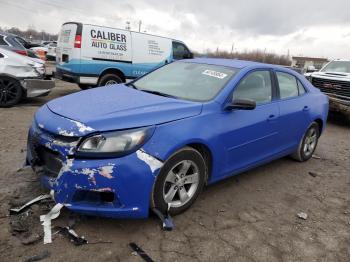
pixel 120 150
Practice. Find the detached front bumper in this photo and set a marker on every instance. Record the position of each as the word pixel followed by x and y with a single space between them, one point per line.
pixel 339 105
pixel 118 187
pixel 38 87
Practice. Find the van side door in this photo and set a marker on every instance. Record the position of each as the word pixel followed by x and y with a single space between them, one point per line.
pixel 149 52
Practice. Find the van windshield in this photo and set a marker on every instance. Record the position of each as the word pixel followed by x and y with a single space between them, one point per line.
pixel 189 81
pixel 337 66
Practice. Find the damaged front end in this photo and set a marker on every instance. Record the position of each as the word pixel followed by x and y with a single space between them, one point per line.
pixel 110 185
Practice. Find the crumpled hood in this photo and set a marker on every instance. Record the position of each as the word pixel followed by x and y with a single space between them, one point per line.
pixel 120 107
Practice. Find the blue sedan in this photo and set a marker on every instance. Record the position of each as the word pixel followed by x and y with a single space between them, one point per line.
pixel 119 150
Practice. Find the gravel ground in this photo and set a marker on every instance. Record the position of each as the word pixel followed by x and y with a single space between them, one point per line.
pixel 250 217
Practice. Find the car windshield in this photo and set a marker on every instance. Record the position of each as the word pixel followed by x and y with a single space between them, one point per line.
pixel 184 80
pixel 337 66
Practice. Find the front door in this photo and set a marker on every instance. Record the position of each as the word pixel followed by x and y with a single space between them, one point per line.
pixel 250 135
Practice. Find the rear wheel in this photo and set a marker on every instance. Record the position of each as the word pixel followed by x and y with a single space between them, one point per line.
pixel 10 91
pixel 109 79
pixel 307 145
pixel 180 181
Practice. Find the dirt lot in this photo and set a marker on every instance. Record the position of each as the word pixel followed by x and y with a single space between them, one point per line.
pixel 250 217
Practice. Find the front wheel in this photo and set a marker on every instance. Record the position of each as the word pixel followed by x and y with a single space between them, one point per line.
pixel 180 181
pixel 11 91
pixel 307 145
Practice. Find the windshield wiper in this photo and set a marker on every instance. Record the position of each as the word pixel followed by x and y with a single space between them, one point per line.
pixel 157 93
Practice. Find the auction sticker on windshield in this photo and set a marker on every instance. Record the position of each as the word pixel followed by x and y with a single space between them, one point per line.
pixel 214 74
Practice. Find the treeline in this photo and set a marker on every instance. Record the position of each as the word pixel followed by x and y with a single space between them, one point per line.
pixel 31 34
pixel 256 55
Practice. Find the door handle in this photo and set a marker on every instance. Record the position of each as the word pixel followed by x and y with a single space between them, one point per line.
pixel 271 117
pixel 306 108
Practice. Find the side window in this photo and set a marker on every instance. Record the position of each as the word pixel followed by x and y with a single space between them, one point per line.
pixel 180 51
pixel 2 40
pixel 1 55
pixel 256 86
pixel 22 42
pixel 288 85
pixel 301 88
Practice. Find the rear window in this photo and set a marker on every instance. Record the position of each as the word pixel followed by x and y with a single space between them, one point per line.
pixel 2 40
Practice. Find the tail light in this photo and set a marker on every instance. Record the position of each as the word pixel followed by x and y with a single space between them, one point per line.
pixel 21 52
pixel 77 41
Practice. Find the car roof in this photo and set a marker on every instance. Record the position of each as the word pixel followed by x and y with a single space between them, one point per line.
pixel 234 63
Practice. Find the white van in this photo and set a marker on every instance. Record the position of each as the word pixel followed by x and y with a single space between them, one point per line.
pixel 92 55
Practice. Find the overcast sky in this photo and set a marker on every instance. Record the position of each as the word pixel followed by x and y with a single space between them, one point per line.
pixel 311 28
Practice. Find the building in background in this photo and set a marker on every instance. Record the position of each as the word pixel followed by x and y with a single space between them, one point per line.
pixel 304 62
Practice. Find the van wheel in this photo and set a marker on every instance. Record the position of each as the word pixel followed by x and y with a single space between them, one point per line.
pixel 179 182
pixel 11 91
pixel 109 79
pixel 308 143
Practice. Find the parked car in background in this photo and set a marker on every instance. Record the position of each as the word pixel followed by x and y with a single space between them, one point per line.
pixel 92 55
pixel 334 80
pixel 17 44
pixel 47 51
pixel 21 77
pixel 118 150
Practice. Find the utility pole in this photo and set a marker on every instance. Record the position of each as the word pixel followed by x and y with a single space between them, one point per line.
pixel 232 49
pixel 140 23
pixel 128 25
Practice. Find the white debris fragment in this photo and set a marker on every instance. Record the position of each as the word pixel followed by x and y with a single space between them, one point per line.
pixel 46 221
pixel 65 132
pixel 82 128
pixel 151 161
pixel 41 126
pixel 302 215
pixel 107 171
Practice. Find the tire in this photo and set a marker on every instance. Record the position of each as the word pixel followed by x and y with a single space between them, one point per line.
pixel 109 79
pixel 166 183
pixel 11 91
pixel 85 87
pixel 308 143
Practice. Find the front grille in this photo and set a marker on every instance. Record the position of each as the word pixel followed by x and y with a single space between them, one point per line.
pixel 330 86
pixel 49 160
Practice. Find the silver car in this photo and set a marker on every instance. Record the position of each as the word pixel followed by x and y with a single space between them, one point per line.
pixel 21 77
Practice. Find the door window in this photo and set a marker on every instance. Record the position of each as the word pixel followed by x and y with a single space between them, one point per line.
pixel 288 85
pixel 180 51
pixel 301 88
pixel 256 86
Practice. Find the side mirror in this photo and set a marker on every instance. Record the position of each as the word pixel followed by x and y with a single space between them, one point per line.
pixel 241 104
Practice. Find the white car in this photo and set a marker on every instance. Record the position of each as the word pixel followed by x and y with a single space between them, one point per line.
pixel 21 77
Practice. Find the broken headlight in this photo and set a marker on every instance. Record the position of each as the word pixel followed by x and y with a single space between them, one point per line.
pixel 114 144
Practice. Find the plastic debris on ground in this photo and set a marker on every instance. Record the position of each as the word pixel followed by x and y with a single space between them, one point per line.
pixel 302 215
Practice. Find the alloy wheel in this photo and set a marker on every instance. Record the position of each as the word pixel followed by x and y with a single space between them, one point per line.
pixel 8 91
pixel 181 183
pixel 310 142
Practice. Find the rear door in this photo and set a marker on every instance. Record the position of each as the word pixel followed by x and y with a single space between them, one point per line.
pixel 69 44
pixel 149 52
pixel 294 104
